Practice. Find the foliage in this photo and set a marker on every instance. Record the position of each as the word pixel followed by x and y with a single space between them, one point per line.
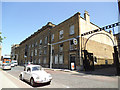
pixel 1 38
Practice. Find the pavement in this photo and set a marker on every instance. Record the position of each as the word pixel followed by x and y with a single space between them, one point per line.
pixel 8 81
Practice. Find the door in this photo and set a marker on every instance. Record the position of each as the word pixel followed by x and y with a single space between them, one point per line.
pixel 27 74
pixel 72 62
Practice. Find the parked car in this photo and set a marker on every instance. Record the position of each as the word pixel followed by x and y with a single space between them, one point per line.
pixel 12 64
pixel 15 62
pixel 6 66
pixel 35 74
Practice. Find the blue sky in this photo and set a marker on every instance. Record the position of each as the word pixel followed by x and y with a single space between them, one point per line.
pixel 21 19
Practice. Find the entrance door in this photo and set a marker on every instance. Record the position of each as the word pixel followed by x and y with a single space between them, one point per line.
pixel 72 62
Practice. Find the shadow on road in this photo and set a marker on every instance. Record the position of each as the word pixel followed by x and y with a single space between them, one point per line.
pixel 38 85
pixel 104 71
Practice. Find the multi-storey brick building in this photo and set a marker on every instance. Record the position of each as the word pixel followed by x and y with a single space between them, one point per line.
pixel 64 52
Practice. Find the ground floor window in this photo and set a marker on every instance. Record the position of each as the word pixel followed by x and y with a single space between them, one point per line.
pixel 39 61
pixel 44 60
pixel 56 59
pixel 61 59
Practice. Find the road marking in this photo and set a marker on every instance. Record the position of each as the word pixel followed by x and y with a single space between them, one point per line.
pixel 17 79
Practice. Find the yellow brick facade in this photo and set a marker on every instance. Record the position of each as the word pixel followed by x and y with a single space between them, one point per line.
pixel 64 51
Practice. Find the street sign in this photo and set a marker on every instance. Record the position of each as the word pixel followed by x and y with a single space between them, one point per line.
pixel 75 41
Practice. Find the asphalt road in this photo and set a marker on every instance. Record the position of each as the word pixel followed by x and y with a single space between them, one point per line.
pixel 63 79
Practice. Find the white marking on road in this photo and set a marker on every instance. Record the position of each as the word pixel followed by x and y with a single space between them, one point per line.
pixel 19 80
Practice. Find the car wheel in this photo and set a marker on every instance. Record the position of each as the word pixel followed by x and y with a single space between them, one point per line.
pixel 48 82
pixel 32 83
pixel 21 78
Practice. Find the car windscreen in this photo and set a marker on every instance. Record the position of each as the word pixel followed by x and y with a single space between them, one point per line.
pixel 6 64
pixel 36 68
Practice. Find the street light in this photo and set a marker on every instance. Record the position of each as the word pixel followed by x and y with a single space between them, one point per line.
pixel 50 55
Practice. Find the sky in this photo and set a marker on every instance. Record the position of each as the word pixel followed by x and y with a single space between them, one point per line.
pixel 21 19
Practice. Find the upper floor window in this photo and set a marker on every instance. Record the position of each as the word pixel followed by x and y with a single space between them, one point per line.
pixel 45 50
pixel 44 60
pixel 52 37
pixel 45 40
pixel 36 44
pixel 61 34
pixel 40 52
pixel 35 52
pixel 40 42
pixel 31 52
pixel 32 45
pixel 61 47
pixel 72 30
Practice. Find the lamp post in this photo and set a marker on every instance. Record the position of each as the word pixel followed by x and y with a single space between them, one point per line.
pixel 50 55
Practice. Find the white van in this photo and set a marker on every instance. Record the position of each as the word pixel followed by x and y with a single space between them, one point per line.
pixel 6 66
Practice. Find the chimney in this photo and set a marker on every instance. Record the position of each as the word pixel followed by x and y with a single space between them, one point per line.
pixel 87 16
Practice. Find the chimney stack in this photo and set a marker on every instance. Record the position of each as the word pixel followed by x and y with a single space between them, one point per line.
pixel 87 16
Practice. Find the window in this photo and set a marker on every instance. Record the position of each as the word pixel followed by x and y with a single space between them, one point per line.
pixel 60 59
pixel 52 37
pixel 52 50
pixel 29 46
pixel 45 50
pixel 40 42
pixel 36 44
pixel 35 61
pixel 72 30
pixel 32 45
pixel 45 40
pixel 56 59
pixel 39 61
pixel 31 52
pixel 44 60
pixel 61 34
pixel 61 47
pixel 28 69
pixel 35 52
pixel 71 45
pixel 40 52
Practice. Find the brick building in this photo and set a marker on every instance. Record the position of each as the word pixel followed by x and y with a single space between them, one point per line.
pixel 37 47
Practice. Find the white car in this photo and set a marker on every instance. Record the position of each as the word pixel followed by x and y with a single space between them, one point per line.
pixel 12 64
pixel 6 66
pixel 35 74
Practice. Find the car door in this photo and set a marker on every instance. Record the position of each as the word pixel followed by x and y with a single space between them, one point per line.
pixel 28 74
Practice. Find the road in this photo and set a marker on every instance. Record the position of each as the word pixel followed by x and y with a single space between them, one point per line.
pixel 63 79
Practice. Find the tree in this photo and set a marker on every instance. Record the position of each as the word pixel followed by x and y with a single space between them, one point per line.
pixel 1 38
